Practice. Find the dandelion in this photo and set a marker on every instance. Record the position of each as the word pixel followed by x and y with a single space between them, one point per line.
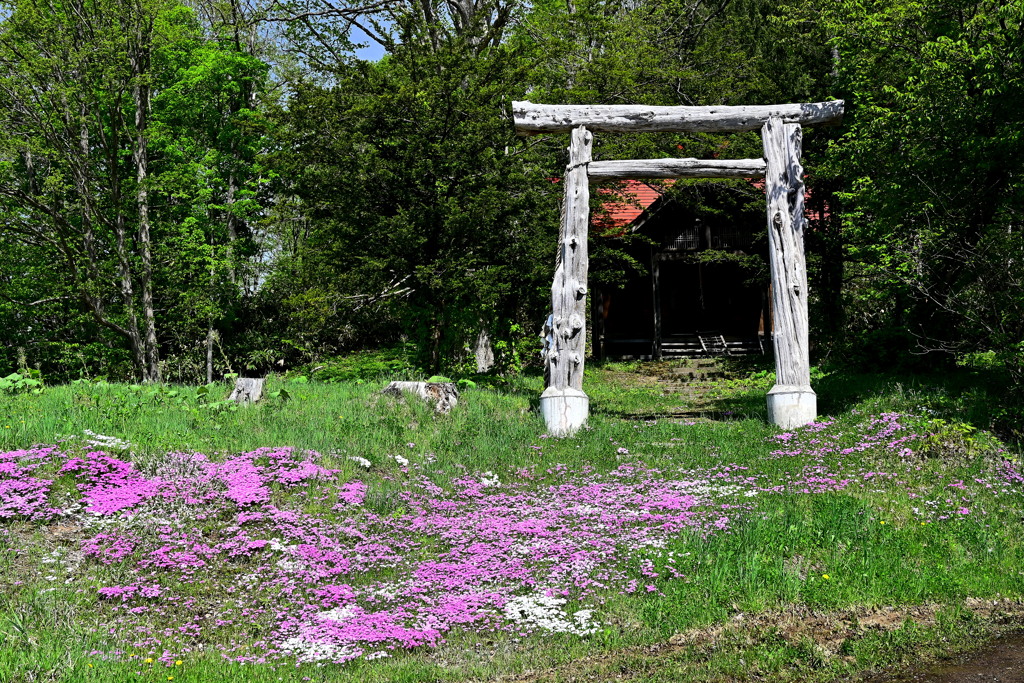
pixel 826 577
pixel 177 663
pixel 148 660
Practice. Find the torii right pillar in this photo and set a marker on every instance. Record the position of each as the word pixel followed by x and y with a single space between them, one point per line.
pixel 791 402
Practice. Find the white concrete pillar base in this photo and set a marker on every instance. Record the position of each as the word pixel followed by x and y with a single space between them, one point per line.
pixel 564 410
pixel 791 405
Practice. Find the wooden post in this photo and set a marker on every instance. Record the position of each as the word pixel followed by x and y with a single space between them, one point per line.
pixel 531 119
pixel 791 402
pixel 597 324
pixel 627 169
pixel 563 404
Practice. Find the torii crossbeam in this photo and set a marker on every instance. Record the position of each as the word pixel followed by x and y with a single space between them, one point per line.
pixel 791 402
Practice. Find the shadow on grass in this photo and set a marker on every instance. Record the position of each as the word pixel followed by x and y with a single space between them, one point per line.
pixel 975 396
pixel 722 411
pixel 983 398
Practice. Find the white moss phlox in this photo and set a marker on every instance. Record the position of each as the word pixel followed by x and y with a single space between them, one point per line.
pixel 546 613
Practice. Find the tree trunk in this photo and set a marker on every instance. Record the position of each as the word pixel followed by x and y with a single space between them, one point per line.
pixel 483 352
pixel 140 156
pixel 128 294
pixel 123 262
pixel 247 390
pixel 209 352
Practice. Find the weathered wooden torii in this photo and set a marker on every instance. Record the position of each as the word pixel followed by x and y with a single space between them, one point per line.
pixel 791 402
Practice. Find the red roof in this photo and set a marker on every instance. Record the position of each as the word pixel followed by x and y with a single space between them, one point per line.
pixel 626 202
pixel 630 198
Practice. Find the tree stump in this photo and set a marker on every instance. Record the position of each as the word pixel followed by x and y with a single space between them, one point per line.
pixel 247 390
pixel 484 352
pixel 444 395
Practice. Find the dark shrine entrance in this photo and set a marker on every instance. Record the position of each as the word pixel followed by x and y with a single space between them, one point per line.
pixel 707 297
pixel 706 291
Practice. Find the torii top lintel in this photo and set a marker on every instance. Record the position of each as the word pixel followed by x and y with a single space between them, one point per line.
pixel 531 118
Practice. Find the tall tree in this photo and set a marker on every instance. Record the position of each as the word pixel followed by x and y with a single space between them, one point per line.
pixel 932 156
pixel 66 93
pixel 94 157
pixel 416 185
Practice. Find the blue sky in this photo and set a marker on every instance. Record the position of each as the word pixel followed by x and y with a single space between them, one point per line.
pixel 372 52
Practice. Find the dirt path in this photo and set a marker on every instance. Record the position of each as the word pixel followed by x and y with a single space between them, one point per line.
pixel 1001 660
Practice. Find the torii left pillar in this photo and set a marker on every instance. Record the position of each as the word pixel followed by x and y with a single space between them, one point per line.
pixel 563 404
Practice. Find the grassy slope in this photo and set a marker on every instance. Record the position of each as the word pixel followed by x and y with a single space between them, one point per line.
pixel 792 553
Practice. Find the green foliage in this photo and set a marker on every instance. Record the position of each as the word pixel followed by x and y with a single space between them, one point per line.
pixel 16 383
pixel 365 365
pixel 429 223
pixel 304 203
pixel 930 156
pixel 72 154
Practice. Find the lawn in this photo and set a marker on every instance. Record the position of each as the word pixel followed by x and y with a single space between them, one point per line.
pixel 332 533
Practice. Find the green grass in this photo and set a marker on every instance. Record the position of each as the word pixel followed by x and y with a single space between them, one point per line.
pixel 827 552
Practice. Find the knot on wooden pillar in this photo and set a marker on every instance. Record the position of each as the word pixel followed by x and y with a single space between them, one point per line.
pixel 576 323
pixel 581 291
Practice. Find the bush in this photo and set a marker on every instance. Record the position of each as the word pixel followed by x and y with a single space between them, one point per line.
pixel 366 365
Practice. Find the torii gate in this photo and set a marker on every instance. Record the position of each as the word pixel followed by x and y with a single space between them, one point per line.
pixel 791 402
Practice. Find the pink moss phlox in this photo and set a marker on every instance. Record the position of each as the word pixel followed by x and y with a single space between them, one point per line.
pixel 110 485
pixel 453 555
pixel 126 593
pixel 1010 473
pixel 351 493
pixel 23 495
pixel 26 497
pixel 244 481
pixel 109 548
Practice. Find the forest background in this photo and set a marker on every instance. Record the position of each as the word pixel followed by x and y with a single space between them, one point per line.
pixel 194 189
